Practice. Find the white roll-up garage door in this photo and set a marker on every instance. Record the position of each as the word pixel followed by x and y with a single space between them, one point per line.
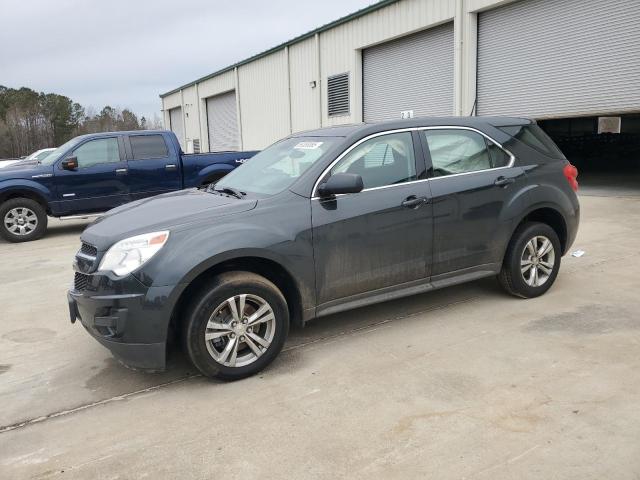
pixel 410 73
pixel 559 58
pixel 176 125
pixel 222 122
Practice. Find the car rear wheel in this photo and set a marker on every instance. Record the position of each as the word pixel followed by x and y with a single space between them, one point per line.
pixel 532 261
pixel 236 326
pixel 22 220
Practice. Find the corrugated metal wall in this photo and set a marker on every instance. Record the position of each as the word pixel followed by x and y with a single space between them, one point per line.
pixel 536 57
pixel 411 73
pixel 341 46
pixel 264 100
pixel 222 123
pixel 559 58
pixel 175 124
pixel 305 99
pixel 267 112
pixel 191 110
pixel 209 88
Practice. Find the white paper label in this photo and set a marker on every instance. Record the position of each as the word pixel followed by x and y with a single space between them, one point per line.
pixel 308 145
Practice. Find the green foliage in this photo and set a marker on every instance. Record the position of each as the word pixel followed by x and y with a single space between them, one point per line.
pixel 30 120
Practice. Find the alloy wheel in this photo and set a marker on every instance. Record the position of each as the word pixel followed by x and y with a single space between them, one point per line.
pixel 537 261
pixel 240 330
pixel 20 221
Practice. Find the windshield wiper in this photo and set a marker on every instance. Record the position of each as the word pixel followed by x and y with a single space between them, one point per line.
pixel 230 191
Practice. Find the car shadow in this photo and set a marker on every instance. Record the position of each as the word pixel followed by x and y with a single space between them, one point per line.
pixel 391 313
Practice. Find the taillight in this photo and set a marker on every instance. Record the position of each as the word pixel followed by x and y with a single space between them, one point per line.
pixel 571 174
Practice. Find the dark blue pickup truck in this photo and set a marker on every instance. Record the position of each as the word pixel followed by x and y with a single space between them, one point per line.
pixel 93 173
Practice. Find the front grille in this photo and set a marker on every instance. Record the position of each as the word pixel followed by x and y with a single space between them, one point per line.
pixel 80 281
pixel 87 249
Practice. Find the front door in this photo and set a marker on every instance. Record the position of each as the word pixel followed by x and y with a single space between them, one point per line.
pixel 378 238
pixel 472 183
pixel 99 182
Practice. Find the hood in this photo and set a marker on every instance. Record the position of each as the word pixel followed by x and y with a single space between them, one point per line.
pixel 23 169
pixel 170 211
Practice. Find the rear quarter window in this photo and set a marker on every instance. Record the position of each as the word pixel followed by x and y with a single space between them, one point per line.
pixel 534 136
pixel 148 146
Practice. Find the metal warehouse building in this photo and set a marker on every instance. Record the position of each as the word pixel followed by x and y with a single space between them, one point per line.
pixel 566 62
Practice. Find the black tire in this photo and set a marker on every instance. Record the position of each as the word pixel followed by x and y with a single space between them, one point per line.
pixel 511 277
pixel 215 295
pixel 21 205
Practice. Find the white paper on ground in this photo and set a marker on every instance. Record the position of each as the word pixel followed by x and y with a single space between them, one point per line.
pixel 578 253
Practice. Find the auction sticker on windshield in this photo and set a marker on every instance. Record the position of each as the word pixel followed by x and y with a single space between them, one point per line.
pixel 308 145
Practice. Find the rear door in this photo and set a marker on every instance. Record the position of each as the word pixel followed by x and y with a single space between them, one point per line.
pixel 99 183
pixel 472 180
pixel 381 237
pixel 154 167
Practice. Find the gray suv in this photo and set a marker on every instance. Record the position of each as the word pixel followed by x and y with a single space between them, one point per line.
pixel 321 222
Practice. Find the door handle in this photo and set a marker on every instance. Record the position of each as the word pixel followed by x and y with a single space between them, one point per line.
pixel 171 166
pixel 121 171
pixel 504 181
pixel 414 202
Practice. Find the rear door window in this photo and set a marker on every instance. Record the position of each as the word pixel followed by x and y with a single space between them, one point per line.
pixel 457 151
pixel 148 146
pixel 454 151
pixel 499 158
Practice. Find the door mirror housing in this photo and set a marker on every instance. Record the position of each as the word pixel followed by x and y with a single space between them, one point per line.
pixel 70 163
pixel 341 183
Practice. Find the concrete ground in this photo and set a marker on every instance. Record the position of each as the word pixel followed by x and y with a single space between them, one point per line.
pixel 461 383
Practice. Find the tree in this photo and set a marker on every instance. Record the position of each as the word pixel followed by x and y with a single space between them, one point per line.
pixel 30 120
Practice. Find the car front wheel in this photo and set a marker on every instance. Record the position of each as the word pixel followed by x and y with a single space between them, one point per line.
pixel 22 220
pixel 236 326
pixel 532 261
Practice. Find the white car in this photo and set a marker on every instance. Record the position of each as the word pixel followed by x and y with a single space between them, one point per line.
pixel 37 155
pixel 40 154
pixel 6 163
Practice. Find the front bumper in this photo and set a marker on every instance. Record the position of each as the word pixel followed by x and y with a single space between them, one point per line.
pixel 132 325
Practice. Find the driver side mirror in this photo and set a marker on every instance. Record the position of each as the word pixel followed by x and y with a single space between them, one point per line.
pixel 341 183
pixel 70 163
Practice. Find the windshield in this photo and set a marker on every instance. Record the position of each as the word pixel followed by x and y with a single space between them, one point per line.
pixel 42 155
pixel 57 153
pixel 275 168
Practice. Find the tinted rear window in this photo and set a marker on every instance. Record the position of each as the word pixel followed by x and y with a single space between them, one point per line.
pixel 148 146
pixel 535 137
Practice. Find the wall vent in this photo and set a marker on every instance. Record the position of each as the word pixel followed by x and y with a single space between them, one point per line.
pixel 196 145
pixel 338 94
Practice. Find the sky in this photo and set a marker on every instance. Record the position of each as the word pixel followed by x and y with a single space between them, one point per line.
pixel 125 53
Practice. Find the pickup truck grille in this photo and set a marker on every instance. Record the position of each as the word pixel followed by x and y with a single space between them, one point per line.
pixel 88 250
pixel 80 281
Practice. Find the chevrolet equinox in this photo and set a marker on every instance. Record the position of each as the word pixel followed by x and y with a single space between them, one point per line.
pixel 321 222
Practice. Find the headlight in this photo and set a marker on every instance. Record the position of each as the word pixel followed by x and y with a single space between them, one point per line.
pixel 131 253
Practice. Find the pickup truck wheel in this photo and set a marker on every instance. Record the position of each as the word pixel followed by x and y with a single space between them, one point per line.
pixel 532 261
pixel 236 326
pixel 22 219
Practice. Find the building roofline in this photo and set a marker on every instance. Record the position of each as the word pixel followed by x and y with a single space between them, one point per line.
pixel 299 38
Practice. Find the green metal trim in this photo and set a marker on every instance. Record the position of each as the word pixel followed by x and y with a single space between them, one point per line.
pixel 304 36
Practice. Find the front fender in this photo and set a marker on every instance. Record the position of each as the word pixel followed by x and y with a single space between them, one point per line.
pixel 216 170
pixel 29 186
pixel 199 249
